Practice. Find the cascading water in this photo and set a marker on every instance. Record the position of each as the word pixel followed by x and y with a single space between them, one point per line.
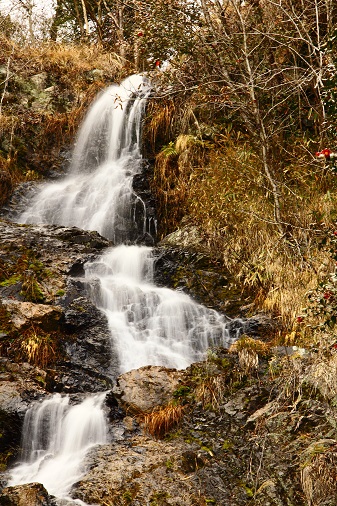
pixel 56 437
pixel 149 325
pixel 97 194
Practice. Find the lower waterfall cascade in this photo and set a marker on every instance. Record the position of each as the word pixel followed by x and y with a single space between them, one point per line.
pixel 56 437
pixel 149 325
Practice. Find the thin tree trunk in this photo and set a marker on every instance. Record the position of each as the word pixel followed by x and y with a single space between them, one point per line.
pixel 85 17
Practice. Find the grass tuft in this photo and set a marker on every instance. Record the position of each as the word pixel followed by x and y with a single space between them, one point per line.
pixel 161 421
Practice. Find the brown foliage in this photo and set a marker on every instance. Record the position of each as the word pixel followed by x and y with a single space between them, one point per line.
pixel 34 346
pixel 160 422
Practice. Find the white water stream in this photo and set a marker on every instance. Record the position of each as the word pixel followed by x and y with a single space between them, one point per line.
pixel 56 438
pixel 149 325
pixel 97 194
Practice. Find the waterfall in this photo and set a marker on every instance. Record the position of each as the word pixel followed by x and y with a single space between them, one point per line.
pixel 97 194
pixel 149 325
pixel 55 439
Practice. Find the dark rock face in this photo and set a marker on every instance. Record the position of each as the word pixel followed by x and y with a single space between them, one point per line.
pixel 18 200
pixel 196 274
pixel 141 186
pixel 92 365
pixel 52 259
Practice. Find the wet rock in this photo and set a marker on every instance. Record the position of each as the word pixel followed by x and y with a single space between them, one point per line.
pixel 55 256
pixel 32 494
pixel 18 200
pixel 89 349
pixel 142 390
pixel 198 275
pixel 141 186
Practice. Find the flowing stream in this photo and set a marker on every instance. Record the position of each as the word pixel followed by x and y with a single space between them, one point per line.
pixel 56 438
pixel 149 325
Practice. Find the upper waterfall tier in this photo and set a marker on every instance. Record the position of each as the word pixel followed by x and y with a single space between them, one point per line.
pixel 97 194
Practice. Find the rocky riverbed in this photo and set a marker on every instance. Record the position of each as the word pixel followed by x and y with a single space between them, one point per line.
pixel 254 424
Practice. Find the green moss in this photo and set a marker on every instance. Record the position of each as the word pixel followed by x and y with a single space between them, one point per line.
pixel 60 293
pixel 248 490
pixel 31 289
pixel 127 497
pixel 12 280
pixel 207 450
pixel 159 498
pixel 23 266
pixel 40 380
pixel 227 445
pixel 182 391
pixel 169 464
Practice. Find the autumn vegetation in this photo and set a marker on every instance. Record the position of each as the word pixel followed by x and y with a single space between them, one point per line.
pixel 243 99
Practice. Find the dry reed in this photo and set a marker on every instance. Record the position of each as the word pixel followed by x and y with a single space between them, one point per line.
pixel 161 421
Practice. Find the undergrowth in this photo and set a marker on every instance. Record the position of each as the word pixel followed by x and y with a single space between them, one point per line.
pixel 26 272
pixel 210 176
pixel 161 421
pixel 33 345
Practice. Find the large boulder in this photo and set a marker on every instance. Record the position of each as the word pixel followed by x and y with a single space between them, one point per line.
pixel 31 494
pixel 142 390
pixel 25 314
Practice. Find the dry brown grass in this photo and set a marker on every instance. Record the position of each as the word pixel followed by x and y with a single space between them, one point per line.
pixel 210 391
pixel 159 122
pixel 174 168
pixel 249 350
pixel 223 190
pixel 38 348
pixel 161 421
pixel 318 474
pixel 219 184
pixel 33 137
pixel 70 59
pixel 34 346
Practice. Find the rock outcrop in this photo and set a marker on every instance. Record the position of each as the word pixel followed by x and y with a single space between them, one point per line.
pixel 43 294
pixel 32 494
pixel 142 390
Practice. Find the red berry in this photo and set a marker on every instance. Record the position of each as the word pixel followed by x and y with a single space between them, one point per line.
pixel 300 319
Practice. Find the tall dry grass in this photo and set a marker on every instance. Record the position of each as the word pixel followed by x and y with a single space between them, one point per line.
pixel 217 181
pixel 31 138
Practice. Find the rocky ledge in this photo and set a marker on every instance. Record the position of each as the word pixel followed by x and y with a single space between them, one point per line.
pixel 243 436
